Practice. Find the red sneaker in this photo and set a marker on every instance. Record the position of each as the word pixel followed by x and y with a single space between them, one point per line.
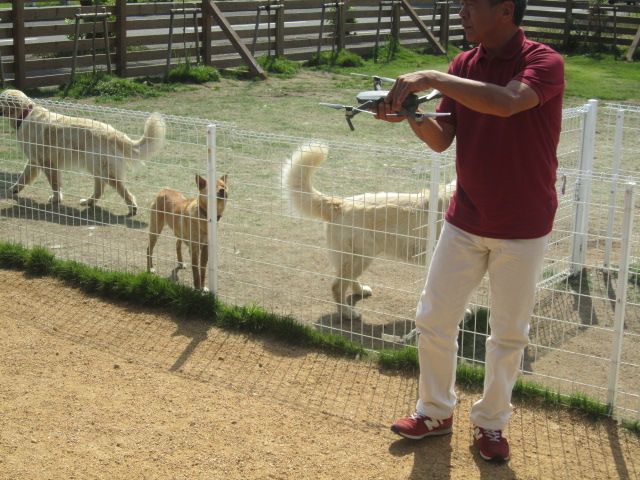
pixel 491 444
pixel 419 426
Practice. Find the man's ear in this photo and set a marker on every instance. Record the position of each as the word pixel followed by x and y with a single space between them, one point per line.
pixel 507 10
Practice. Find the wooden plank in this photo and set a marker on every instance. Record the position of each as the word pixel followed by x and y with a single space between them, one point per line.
pixel 634 45
pixel 251 62
pixel 423 28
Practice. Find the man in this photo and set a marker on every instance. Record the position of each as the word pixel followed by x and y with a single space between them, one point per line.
pixel 505 100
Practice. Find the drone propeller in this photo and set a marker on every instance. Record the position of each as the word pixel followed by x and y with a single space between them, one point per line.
pixel 383 79
pixel 432 94
pixel 337 106
pixel 348 108
pixel 422 115
pixel 377 80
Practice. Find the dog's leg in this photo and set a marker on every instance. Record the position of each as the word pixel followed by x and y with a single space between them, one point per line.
pixel 27 177
pixel 179 253
pixel 359 264
pixel 156 224
pixel 350 268
pixel 204 258
pixel 129 199
pixel 53 176
pixel 98 190
pixel 195 265
pixel 340 284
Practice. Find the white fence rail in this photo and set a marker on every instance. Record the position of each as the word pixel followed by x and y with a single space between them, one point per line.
pixel 585 333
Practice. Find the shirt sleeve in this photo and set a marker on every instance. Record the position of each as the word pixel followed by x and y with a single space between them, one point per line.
pixel 544 73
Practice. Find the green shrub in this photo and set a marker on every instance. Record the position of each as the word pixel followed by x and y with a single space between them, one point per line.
pixel 188 73
pixel 342 58
pixel 279 65
pixel 109 87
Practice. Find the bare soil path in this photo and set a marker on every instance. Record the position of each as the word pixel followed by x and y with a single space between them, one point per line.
pixel 90 389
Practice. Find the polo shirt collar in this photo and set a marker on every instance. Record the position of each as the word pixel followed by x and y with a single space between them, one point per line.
pixel 510 50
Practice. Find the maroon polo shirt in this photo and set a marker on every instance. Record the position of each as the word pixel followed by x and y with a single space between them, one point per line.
pixel 506 167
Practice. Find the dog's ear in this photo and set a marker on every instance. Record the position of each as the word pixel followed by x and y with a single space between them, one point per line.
pixel 201 182
pixel 223 178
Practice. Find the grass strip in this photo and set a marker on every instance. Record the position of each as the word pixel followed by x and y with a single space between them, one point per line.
pixel 149 290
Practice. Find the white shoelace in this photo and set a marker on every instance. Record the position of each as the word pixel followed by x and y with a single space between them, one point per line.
pixel 493 435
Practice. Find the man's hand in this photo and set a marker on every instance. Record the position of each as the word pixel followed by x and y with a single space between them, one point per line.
pixel 407 84
pixel 384 112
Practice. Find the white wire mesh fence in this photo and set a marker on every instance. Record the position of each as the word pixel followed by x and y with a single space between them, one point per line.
pixel 584 336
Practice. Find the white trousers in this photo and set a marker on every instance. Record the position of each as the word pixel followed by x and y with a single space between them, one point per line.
pixel 458 265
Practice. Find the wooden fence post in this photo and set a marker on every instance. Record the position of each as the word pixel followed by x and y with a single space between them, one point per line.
pixel 19 51
pixel 444 24
pixel 207 23
pixel 568 20
pixel 340 12
pixel 395 22
pixel 280 30
pixel 121 37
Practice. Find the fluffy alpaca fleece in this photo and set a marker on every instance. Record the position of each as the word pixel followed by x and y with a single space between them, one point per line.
pixel 54 143
pixel 361 227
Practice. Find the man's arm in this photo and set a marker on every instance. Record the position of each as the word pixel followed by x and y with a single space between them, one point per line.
pixel 481 97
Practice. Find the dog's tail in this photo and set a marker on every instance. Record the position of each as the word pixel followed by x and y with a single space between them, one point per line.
pixel 298 175
pixel 152 140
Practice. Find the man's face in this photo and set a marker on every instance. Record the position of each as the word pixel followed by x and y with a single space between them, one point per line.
pixel 480 19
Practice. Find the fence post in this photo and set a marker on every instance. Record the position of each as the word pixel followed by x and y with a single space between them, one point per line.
pixel 568 19
pixel 395 22
pixel 621 298
pixel 583 189
pixel 617 155
pixel 279 30
pixel 121 38
pixel 340 25
pixel 19 52
pixel 207 24
pixel 443 34
pixel 212 210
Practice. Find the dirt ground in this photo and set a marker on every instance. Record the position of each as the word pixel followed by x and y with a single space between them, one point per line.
pixel 98 390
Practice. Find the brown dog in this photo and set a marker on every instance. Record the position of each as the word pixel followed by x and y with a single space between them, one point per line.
pixel 187 217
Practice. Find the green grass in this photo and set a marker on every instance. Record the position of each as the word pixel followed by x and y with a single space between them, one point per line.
pixel 151 291
pixel 331 60
pixel 108 88
pixel 602 77
pixel 188 73
pixel 279 66
pixel 154 292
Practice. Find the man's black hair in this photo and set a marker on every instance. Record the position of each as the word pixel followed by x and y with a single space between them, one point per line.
pixel 519 8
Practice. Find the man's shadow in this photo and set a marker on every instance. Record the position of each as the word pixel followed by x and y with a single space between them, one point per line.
pixel 491 470
pixel 431 456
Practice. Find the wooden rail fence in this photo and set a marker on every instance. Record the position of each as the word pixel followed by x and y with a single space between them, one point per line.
pixel 36 44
